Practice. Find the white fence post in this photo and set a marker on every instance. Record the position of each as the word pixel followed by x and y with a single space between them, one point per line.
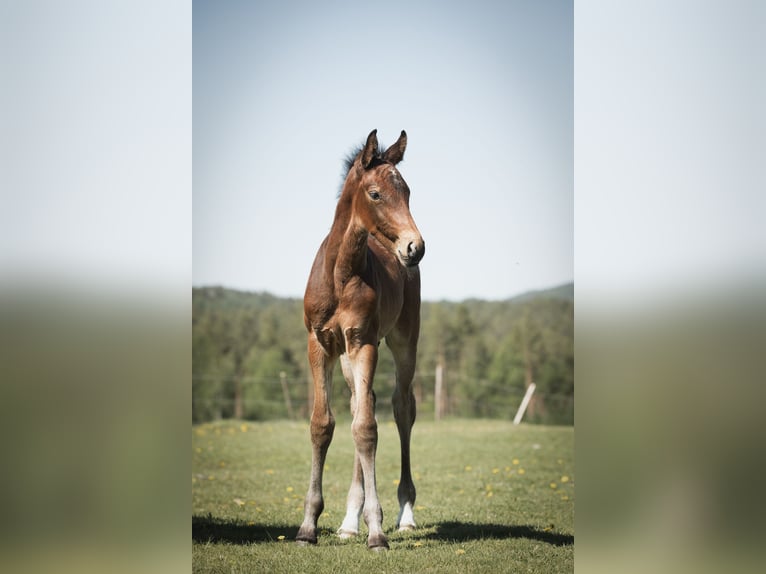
pixel 524 403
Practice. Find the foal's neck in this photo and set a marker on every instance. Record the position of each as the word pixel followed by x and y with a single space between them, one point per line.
pixel 348 243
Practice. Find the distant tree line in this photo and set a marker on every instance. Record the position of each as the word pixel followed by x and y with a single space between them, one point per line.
pixel 249 358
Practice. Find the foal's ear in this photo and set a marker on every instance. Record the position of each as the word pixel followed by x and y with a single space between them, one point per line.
pixel 369 151
pixel 395 153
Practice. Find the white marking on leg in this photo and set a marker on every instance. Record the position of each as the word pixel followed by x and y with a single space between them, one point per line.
pixel 354 503
pixel 406 519
pixel 349 528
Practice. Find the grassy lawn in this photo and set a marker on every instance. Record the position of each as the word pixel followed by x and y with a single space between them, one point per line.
pixel 491 498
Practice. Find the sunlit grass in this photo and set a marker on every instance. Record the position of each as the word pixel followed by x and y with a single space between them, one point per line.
pixel 486 501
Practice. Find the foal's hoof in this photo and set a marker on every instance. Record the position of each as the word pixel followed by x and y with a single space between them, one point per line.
pixel 406 527
pixel 378 543
pixel 306 541
pixel 346 534
pixel 305 538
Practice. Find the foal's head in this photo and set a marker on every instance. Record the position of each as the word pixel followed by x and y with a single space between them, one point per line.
pixel 380 199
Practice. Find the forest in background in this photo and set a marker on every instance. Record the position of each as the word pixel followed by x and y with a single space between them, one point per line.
pixel 249 358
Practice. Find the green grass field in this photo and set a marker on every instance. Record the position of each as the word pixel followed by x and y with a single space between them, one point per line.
pixel 491 498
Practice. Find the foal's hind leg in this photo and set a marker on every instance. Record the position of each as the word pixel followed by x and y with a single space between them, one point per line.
pixel 404 350
pixel 322 427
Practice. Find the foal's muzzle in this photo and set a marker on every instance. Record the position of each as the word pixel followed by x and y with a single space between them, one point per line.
pixel 412 252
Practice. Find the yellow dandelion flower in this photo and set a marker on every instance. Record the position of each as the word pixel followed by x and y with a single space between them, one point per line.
pixel 243 428
pixel 554 485
pixel 515 461
pixel 285 499
pixel 565 497
pixel 495 470
pixel 258 509
pixel 418 544
pixel 281 537
pixel 269 471
pixel 548 528
pixel 239 502
pixel 521 471
pixel 417 476
pixel 211 477
pixel 459 551
pixel 395 481
pixel 507 469
pixel 490 494
pixel 198 450
pixel 468 468
pixel 564 478
pixel 200 432
pixel 289 489
pixel 420 507
pixel 488 487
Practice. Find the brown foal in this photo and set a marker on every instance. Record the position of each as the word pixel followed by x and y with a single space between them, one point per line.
pixel 364 286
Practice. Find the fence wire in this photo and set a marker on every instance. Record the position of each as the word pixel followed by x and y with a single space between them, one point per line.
pixel 263 400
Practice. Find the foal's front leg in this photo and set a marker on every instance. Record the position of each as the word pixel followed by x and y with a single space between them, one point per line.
pixel 322 427
pixel 349 528
pixel 364 429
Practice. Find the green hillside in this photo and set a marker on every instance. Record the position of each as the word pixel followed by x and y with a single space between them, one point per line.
pixel 249 357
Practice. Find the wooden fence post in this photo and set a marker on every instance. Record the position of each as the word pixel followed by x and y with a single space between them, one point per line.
pixel 438 390
pixel 286 393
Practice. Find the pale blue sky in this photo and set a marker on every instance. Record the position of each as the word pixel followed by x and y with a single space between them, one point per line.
pixel 96 162
pixel 283 90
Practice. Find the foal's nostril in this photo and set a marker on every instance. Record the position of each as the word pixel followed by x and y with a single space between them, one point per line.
pixel 415 251
pixel 412 253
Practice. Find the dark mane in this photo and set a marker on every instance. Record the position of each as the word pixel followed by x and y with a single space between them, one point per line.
pixel 351 156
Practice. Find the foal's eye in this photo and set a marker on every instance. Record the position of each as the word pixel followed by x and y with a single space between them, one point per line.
pixel 374 195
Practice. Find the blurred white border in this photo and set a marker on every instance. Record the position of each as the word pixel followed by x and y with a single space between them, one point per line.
pixel 669 148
